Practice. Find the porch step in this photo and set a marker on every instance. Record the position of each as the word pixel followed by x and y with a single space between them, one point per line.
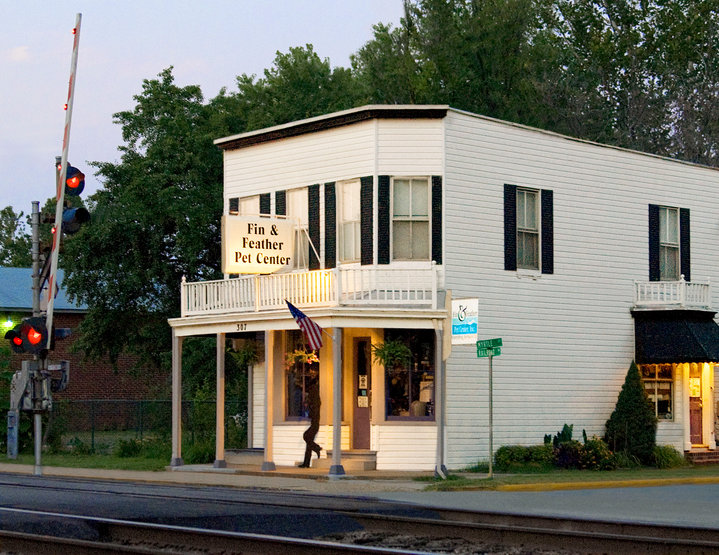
pixel 359 459
pixel 245 456
pixel 707 456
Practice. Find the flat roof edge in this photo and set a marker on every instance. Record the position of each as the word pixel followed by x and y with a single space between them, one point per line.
pixel 329 121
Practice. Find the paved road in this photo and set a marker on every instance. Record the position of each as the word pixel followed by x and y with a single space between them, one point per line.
pixel 690 505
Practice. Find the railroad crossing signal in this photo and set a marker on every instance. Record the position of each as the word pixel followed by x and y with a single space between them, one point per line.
pixel 29 336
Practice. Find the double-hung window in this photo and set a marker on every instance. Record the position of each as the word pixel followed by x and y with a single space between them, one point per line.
pixel 528 229
pixel 668 244
pixel 410 219
pixel 349 221
pixel 297 210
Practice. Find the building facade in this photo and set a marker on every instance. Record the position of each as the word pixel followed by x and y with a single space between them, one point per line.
pixel 583 258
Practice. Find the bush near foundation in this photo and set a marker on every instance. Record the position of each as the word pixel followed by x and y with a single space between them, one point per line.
pixel 666 456
pixel 632 427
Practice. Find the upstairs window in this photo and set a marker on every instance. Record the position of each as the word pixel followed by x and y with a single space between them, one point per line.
pixel 668 244
pixel 349 221
pixel 528 229
pixel 298 211
pixel 410 219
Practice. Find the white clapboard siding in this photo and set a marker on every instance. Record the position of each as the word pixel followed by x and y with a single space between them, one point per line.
pixel 385 147
pixel 403 447
pixel 568 337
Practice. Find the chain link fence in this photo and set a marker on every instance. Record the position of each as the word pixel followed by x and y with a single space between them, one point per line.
pixel 100 424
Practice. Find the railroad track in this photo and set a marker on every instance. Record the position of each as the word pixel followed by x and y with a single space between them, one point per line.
pixel 486 531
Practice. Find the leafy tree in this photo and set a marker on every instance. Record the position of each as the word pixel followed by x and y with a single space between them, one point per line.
pixel 15 241
pixel 299 85
pixel 632 427
pixel 156 219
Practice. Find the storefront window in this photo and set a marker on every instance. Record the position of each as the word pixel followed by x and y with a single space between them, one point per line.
pixel 658 382
pixel 409 387
pixel 302 368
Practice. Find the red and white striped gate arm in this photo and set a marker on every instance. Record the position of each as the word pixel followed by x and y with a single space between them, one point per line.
pixel 60 196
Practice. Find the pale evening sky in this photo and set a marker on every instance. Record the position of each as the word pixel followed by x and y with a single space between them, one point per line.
pixel 209 43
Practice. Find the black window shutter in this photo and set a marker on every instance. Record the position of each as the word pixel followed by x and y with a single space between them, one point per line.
pixel 313 223
pixel 265 203
pixel 654 242
pixel 366 220
pixel 510 227
pixel 684 247
pixel 281 203
pixel 437 218
pixel 330 226
pixel 234 205
pixel 383 219
pixel 547 209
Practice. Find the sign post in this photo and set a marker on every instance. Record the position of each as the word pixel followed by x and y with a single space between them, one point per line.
pixel 489 348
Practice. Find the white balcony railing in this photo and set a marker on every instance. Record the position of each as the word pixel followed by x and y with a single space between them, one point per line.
pixel 369 286
pixel 672 294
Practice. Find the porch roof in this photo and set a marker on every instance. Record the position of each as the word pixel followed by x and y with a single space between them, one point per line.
pixel 326 317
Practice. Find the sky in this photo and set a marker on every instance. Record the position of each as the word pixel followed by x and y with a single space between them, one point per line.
pixel 122 42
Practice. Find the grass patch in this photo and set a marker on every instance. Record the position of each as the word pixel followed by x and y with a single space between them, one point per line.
pixel 464 481
pixel 109 462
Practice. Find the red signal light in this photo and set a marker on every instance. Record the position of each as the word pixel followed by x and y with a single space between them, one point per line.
pixel 34 336
pixel 17 341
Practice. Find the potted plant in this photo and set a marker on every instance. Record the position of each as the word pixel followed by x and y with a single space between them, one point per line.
pixel 393 353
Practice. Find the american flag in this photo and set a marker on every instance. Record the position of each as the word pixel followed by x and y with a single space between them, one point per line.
pixel 312 331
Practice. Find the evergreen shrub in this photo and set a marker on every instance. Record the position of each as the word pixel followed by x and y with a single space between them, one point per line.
pixel 632 427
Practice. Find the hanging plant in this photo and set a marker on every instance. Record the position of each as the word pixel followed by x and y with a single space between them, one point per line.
pixel 302 356
pixel 392 354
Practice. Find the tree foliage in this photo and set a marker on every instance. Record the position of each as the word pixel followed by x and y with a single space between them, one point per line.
pixel 15 241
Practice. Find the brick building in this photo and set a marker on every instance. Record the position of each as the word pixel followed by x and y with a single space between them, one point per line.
pixel 89 379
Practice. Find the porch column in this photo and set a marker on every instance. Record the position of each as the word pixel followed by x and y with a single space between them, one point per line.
pixel 336 469
pixel 220 410
pixel 440 470
pixel 267 463
pixel 176 400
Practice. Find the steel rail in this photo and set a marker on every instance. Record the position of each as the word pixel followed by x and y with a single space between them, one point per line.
pixel 122 536
pixel 578 536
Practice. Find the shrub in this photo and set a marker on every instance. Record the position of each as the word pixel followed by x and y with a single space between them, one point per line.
pixel 632 427
pixel 542 454
pixel 597 455
pixel 79 447
pixel 625 460
pixel 128 448
pixel 569 454
pixel 666 456
pixel 200 452
pixel 563 436
pixel 509 456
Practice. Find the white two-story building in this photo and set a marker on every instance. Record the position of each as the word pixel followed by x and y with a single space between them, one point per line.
pixel 583 258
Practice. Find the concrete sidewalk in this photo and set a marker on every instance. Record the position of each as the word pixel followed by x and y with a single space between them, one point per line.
pixel 372 483
pixel 287 478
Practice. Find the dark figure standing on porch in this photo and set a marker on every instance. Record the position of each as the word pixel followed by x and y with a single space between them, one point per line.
pixel 313 404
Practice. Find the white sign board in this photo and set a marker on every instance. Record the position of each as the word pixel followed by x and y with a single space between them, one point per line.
pixel 255 245
pixel 465 317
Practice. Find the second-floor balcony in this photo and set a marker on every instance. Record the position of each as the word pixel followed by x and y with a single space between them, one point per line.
pixel 355 286
pixel 667 295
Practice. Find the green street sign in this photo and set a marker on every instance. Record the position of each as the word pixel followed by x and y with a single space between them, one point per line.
pixel 488 343
pixel 483 352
